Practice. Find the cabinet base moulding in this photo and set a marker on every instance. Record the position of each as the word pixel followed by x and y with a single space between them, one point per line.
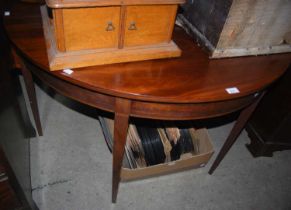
pixel 82 58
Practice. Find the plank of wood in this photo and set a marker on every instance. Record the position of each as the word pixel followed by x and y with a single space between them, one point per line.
pixel 207 17
pixel 112 55
pixel 123 10
pixel 259 23
pixel 234 52
pixel 58 25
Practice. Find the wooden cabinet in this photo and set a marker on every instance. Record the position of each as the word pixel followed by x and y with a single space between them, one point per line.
pixel 83 34
pixel 269 127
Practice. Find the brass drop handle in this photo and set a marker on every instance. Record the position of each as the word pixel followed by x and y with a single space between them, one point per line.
pixel 110 26
pixel 132 26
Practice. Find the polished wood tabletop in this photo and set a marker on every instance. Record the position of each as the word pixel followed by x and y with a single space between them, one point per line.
pixel 185 88
pixel 191 78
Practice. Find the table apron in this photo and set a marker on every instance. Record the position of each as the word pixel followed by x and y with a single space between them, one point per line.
pixel 191 111
pixel 143 109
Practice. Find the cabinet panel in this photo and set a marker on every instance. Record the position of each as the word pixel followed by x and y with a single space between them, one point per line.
pixel 91 28
pixel 269 126
pixel 147 25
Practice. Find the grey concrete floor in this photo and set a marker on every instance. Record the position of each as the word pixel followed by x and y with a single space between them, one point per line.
pixel 71 170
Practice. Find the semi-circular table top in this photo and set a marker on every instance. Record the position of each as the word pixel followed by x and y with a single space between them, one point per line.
pixel 191 78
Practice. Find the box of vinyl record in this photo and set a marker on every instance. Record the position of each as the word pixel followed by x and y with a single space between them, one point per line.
pixel 154 149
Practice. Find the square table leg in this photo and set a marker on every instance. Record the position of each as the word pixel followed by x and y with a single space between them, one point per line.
pixel 236 130
pixel 122 111
pixel 30 89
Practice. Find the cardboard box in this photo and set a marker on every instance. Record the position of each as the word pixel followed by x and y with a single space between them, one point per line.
pixel 195 161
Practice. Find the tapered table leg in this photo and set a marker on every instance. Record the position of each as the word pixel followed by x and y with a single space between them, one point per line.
pixel 236 130
pixel 30 89
pixel 122 111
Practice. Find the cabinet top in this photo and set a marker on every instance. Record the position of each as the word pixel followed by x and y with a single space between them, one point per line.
pixel 94 3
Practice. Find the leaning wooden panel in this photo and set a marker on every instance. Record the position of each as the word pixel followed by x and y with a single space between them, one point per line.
pixel 240 27
pixel 255 27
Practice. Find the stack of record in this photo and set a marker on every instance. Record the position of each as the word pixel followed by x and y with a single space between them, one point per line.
pixel 152 143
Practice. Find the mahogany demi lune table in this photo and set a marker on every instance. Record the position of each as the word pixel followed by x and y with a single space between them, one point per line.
pixel 186 88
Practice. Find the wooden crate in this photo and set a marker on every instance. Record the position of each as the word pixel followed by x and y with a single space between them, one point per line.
pixel 229 28
pixel 96 32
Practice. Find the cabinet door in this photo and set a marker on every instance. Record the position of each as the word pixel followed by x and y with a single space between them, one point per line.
pixel 91 28
pixel 148 25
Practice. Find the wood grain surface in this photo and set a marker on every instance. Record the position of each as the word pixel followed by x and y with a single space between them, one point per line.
pixel 94 3
pixel 57 23
pixel 92 33
pixel 153 24
pixel 192 78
